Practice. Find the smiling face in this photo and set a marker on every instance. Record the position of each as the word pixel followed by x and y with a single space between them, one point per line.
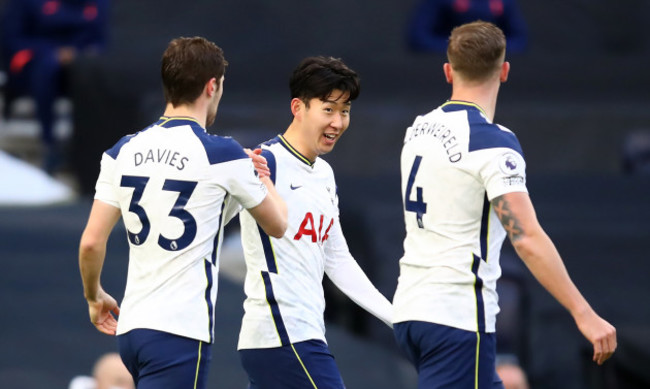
pixel 318 124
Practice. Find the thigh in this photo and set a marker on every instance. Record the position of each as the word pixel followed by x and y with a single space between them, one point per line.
pixel 300 365
pixel 447 357
pixel 162 360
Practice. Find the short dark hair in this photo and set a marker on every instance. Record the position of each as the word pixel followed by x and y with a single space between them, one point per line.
pixel 317 77
pixel 476 50
pixel 187 65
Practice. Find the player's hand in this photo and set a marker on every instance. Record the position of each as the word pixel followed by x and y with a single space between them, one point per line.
pixel 259 162
pixel 102 311
pixel 600 333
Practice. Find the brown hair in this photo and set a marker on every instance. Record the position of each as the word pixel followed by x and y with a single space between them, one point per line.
pixel 187 65
pixel 476 50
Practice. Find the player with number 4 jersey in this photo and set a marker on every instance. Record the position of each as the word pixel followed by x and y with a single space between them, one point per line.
pixel 454 161
pixel 175 187
pixel 464 191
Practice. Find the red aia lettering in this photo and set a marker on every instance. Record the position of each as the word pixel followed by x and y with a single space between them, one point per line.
pixel 307 227
pixel 304 230
pixel 328 230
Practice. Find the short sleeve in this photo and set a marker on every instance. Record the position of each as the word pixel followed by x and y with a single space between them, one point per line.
pixel 243 183
pixel 505 172
pixel 104 188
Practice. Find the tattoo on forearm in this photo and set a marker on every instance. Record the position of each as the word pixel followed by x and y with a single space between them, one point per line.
pixel 508 219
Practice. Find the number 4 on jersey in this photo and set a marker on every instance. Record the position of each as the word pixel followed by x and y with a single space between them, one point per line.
pixel 418 206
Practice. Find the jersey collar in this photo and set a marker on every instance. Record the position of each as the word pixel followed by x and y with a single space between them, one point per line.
pixel 295 152
pixel 462 103
pixel 174 121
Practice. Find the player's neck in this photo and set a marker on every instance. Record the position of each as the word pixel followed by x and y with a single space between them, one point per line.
pixel 185 110
pixel 295 136
pixel 482 95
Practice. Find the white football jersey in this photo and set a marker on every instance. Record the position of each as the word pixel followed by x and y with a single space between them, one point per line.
pixel 284 291
pixel 454 162
pixel 177 186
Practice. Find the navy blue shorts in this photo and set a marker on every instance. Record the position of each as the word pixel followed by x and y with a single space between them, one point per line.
pixel 449 358
pixel 161 360
pixel 301 365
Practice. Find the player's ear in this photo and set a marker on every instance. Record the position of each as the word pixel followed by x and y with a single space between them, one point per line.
pixel 297 106
pixel 505 69
pixel 211 87
pixel 446 68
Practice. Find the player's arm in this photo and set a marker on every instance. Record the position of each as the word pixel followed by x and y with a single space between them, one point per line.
pixel 351 280
pixel 535 248
pixel 271 214
pixel 92 250
pixel 347 275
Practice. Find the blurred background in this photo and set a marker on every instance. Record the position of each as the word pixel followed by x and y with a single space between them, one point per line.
pixel 578 99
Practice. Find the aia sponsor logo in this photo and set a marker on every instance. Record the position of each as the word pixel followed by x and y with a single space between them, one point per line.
pixel 308 229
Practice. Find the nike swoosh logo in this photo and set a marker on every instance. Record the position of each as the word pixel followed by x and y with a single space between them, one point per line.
pixel 295 187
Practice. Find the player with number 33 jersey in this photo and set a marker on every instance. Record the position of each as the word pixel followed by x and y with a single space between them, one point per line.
pixel 175 187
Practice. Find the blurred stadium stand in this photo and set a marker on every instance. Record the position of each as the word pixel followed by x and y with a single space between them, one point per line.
pixel 572 99
pixel 576 92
